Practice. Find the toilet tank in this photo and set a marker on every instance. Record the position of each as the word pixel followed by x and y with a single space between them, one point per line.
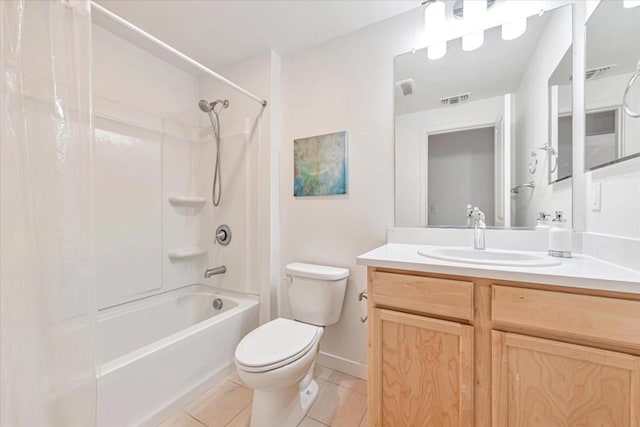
pixel 316 292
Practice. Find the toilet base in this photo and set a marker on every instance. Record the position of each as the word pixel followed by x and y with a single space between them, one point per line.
pixel 283 407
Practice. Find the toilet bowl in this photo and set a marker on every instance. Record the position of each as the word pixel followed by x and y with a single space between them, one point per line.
pixel 277 359
pixel 280 371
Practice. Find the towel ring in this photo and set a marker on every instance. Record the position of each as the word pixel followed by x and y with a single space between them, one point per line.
pixel 628 111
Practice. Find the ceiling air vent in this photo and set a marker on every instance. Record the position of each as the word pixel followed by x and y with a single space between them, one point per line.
pixel 456 99
pixel 597 72
pixel 406 87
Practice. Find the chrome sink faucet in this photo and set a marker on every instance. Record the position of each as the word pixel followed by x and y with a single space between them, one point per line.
pixel 215 270
pixel 475 218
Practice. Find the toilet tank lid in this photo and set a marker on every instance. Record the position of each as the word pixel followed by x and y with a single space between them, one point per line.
pixel 314 271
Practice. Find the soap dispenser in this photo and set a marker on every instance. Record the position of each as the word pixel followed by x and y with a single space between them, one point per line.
pixel 560 237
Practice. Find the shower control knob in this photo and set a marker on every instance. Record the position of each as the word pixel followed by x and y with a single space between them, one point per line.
pixel 223 235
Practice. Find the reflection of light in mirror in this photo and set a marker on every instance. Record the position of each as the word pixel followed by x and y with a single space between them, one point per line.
pixel 437 51
pixel 630 3
pixel 472 41
pixel 434 15
pixel 514 29
pixel 474 11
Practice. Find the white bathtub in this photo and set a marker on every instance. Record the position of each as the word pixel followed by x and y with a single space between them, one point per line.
pixel 157 353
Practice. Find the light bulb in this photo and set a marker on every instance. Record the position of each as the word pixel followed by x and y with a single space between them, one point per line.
pixel 474 9
pixel 434 15
pixel 514 29
pixel 437 51
pixel 630 3
pixel 472 41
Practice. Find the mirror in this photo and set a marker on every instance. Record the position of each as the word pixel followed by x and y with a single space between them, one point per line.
pixel 560 154
pixel 473 128
pixel 612 55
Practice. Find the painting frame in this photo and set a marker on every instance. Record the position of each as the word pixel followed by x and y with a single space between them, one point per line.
pixel 320 165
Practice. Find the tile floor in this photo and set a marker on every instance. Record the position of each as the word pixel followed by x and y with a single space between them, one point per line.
pixel 342 402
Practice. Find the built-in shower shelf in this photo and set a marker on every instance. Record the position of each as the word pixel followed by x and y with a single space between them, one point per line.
pixel 187 201
pixel 185 253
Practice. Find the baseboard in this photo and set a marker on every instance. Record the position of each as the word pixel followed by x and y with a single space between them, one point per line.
pixel 343 365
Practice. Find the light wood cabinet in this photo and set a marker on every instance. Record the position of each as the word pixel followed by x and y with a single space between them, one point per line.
pixel 421 371
pixel 460 351
pixel 538 382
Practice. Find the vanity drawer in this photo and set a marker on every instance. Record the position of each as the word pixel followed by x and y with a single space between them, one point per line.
pixel 599 319
pixel 443 297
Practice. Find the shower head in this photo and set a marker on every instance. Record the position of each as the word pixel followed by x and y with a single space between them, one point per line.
pixel 204 106
pixel 207 107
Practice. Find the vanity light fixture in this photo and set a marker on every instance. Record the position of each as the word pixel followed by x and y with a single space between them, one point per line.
pixel 437 50
pixel 474 12
pixel 514 29
pixel 630 3
pixel 472 41
pixel 434 17
pixel 434 14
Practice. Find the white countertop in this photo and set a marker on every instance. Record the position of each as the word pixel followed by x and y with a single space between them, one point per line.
pixel 581 271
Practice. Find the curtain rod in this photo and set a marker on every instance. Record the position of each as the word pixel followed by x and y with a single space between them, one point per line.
pixel 176 52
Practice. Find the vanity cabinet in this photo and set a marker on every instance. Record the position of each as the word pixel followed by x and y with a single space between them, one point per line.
pixel 420 350
pixel 423 370
pixel 540 382
pixel 459 351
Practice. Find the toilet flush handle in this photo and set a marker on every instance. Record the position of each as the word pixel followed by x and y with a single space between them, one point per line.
pixel 361 296
pixel 287 279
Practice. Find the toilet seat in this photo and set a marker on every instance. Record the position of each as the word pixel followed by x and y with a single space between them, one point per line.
pixel 275 344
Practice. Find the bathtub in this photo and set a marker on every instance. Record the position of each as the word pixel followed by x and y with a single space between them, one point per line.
pixel 157 353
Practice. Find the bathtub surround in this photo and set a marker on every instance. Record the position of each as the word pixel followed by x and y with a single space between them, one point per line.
pixel 147 144
pixel 249 153
pixel 155 160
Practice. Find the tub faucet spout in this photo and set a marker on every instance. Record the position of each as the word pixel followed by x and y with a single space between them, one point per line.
pixel 214 271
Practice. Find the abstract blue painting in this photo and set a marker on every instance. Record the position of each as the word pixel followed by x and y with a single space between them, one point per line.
pixel 320 165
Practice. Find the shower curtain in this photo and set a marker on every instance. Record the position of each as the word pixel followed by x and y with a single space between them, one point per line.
pixel 47 272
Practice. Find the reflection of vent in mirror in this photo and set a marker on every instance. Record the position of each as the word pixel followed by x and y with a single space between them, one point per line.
pixel 458 8
pixel 596 73
pixel 406 87
pixel 456 99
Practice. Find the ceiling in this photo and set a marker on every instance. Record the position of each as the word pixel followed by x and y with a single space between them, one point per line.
pixel 219 33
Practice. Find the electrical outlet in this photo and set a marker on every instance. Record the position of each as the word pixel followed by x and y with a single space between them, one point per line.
pixel 596 197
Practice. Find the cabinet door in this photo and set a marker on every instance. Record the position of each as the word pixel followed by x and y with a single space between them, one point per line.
pixel 538 382
pixel 420 371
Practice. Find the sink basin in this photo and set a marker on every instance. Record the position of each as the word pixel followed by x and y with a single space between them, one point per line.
pixel 489 257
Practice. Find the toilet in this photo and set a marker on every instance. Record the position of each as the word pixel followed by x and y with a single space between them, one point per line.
pixel 276 359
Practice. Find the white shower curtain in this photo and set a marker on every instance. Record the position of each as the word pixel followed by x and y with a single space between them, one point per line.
pixel 47 272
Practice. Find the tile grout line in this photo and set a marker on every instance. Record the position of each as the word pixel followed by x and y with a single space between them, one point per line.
pixel 362 417
pixel 238 414
pixel 346 388
pixel 315 419
pixel 194 418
